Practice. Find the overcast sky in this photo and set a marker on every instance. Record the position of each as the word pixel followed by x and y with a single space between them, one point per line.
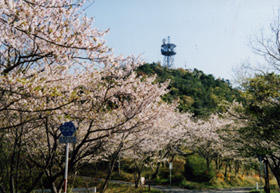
pixel 211 35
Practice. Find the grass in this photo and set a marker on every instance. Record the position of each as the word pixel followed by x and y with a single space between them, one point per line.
pixel 87 182
pixel 178 177
pixel 215 183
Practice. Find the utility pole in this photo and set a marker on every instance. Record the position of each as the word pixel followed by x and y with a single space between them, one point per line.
pixel 170 173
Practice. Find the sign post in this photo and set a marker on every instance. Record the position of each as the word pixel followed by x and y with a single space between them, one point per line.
pixel 66 168
pixel 67 129
pixel 170 168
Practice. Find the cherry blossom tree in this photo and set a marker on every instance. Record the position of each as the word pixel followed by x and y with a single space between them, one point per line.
pixel 149 146
pixel 103 104
pixel 39 37
pixel 55 67
pixel 206 137
pixel 36 34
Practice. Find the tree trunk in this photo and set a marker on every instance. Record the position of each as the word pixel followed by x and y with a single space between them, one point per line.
pixel 12 184
pixel 51 179
pixel 109 174
pixel 137 179
pixel 208 163
pixel 53 188
pixel 156 172
pixel 266 177
pixel 236 167
pixel 111 168
pixel 138 172
pixel 216 163
pixel 119 166
pixel 225 174
pixel 149 183
pixel 276 172
pixel 1 189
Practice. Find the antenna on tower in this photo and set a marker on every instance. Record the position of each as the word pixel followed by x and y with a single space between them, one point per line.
pixel 168 52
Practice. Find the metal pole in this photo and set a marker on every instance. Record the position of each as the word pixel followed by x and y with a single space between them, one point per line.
pixel 66 168
pixel 170 176
pixel 168 58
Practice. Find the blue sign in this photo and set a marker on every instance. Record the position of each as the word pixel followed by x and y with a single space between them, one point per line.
pixel 67 129
pixel 67 139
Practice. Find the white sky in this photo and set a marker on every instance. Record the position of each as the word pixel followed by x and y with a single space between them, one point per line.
pixel 211 35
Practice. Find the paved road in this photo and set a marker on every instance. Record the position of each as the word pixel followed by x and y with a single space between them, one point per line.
pixel 179 190
pixel 161 188
pixel 167 189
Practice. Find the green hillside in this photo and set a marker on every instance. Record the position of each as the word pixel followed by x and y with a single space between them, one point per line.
pixel 197 92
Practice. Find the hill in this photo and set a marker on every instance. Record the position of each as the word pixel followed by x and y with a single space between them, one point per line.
pixel 196 92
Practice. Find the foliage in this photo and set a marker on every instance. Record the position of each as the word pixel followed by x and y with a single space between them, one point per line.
pixel 196 92
pixel 177 178
pixel 260 112
pixel 261 107
pixel 196 169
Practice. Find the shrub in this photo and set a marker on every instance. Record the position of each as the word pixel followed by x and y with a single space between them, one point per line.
pixel 254 191
pixel 164 173
pixel 127 166
pixel 177 179
pixel 196 169
pixel 178 164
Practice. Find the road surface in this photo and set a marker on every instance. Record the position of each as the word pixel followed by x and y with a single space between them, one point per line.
pixel 179 190
pixel 167 189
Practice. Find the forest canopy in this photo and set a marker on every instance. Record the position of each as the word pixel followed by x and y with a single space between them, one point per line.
pixel 195 91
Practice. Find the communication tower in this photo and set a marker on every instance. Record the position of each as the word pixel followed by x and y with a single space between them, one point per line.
pixel 168 52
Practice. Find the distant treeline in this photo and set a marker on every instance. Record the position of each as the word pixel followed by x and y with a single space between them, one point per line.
pixel 196 92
